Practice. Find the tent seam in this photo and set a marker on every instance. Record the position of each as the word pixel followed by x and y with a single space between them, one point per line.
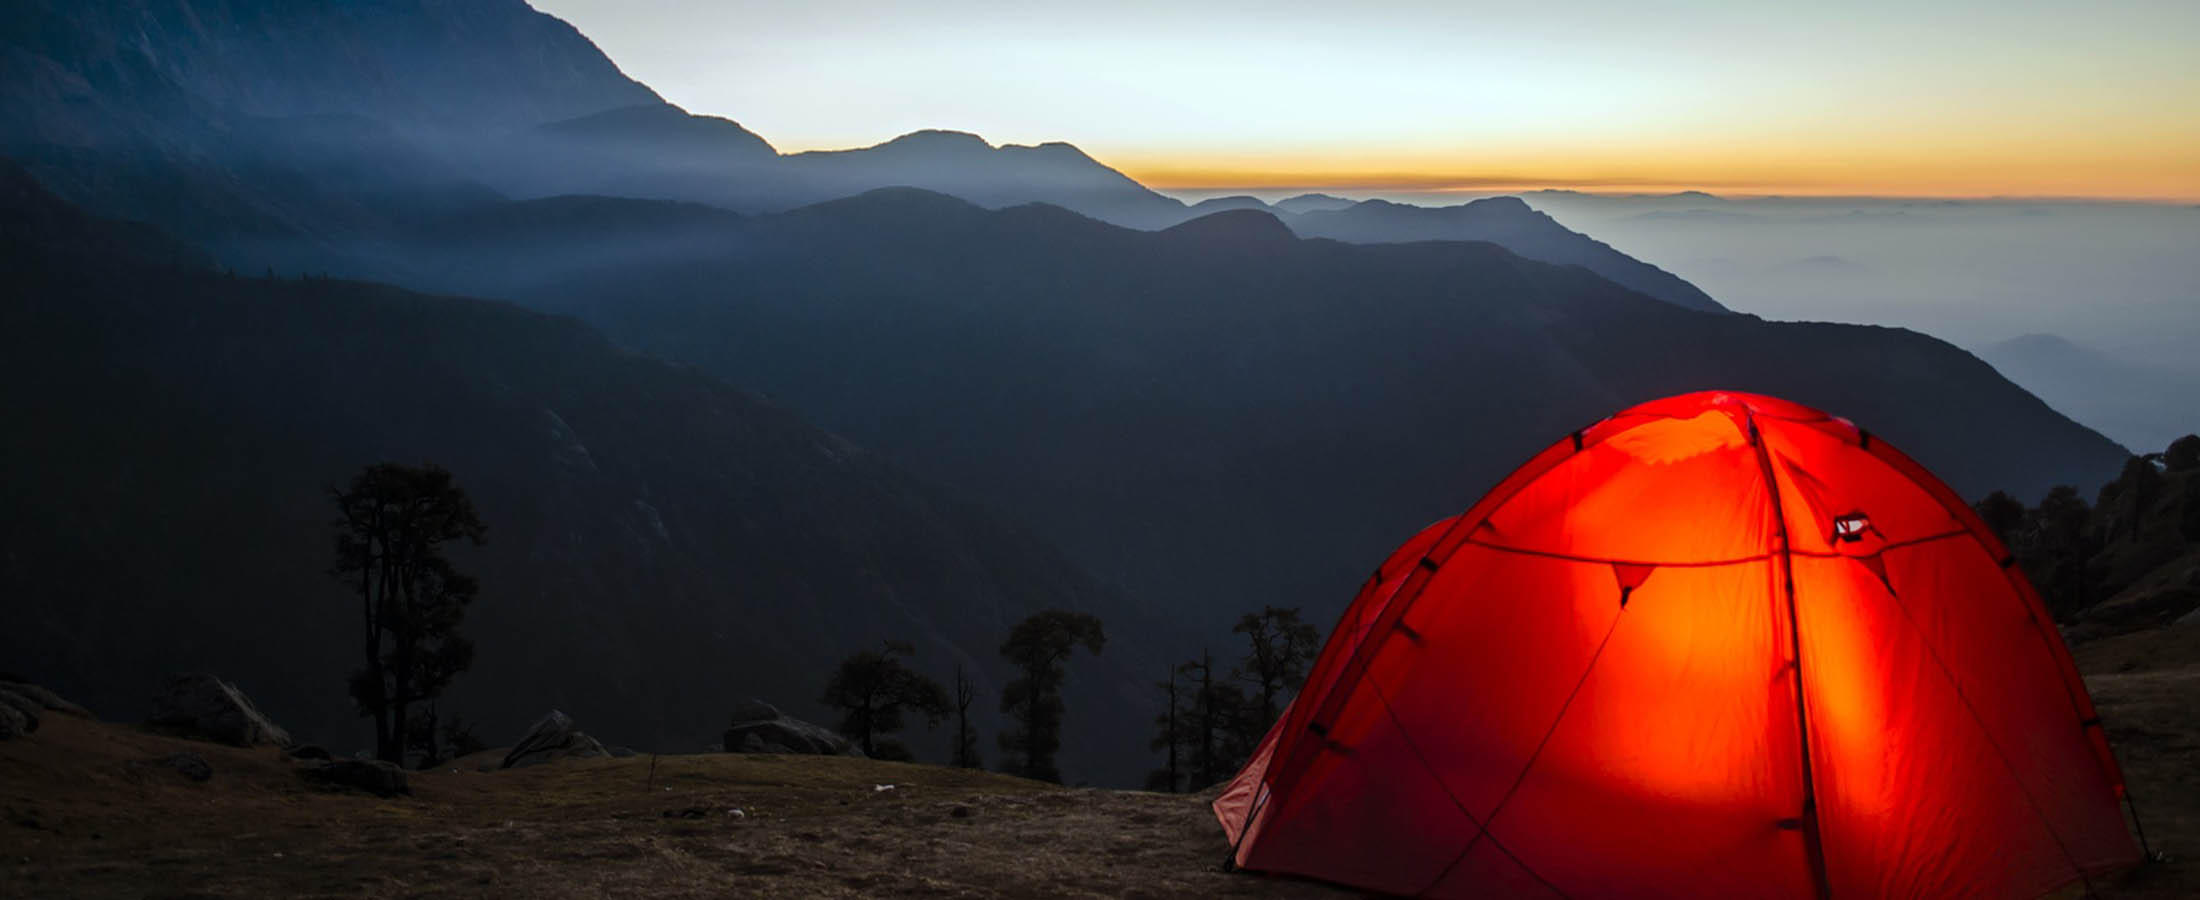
pixel 1814 846
pixel 1999 753
pixel 1525 767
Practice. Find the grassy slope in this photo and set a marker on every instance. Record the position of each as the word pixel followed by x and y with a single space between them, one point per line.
pixel 85 816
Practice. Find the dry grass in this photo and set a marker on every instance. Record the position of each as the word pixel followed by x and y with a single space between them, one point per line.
pixel 86 815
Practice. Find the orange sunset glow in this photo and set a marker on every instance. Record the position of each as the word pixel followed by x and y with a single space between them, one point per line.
pixel 1964 99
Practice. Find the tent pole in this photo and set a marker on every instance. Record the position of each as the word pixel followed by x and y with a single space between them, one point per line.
pixel 1813 846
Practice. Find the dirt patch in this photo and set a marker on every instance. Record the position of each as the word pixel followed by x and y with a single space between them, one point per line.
pixel 86 810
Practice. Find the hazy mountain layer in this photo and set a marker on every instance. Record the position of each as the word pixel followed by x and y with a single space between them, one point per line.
pixel 1218 415
pixel 270 129
pixel 660 546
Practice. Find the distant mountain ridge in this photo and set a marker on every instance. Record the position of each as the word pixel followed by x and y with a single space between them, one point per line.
pixel 2124 399
pixel 458 104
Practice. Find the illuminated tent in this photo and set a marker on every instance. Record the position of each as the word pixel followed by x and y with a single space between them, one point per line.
pixel 1587 686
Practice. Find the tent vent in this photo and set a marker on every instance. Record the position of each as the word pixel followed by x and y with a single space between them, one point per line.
pixel 1851 527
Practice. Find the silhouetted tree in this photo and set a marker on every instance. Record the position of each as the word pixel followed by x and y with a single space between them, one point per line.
pixel 2004 516
pixel 1167 737
pixel 1038 647
pixel 1279 648
pixel 2061 544
pixel 425 744
pixel 393 523
pixel 2183 454
pixel 966 755
pixel 2122 505
pixel 1215 724
pixel 872 688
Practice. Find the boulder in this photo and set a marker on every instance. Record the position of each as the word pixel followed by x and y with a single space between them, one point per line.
pixel 190 765
pixel 45 698
pixel 309 752
pixel 373 776
pixel 202 706
pixel 12 723
pixel 759 727
pixel 24 708
pixel 555 737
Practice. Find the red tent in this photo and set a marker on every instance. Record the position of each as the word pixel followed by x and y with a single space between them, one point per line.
pixel 1717 645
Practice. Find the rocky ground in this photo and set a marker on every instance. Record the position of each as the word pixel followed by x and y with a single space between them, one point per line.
pixel 92 809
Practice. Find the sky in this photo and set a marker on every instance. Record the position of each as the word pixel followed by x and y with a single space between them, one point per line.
pixel 1915 98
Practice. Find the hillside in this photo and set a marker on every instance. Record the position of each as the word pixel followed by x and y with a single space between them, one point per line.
pixel 2138 404
pixel 91 813
pixel 1222 414
pixel 661 545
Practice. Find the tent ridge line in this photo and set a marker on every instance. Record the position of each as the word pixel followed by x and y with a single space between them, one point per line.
pixel 1813 843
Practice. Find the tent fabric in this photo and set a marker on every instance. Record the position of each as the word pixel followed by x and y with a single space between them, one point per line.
pixel 1714 645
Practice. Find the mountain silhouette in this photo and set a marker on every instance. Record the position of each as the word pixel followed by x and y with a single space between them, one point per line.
pixel 2124 398
pixel 1508 222
pixel 1311 202
pixel 661 545
pixel 446 106
pixel 1223 410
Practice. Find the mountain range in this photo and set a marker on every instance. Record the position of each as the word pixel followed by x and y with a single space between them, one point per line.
pixel 267 127
pixel 1214 415
pixel 762 409
pixel 661 545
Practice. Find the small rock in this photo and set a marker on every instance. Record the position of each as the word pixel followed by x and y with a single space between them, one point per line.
pixel 621 752
pixel 24 710
pixel 554 737
pixel 13 723
pixel 46 698
pixel 758 727
pixel 191 765
pixel 374 776
pixel 202 706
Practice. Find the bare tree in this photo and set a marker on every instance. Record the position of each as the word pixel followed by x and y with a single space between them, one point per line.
pixel 966 754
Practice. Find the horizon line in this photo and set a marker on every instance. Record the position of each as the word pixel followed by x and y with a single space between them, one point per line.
pixel 1660 191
